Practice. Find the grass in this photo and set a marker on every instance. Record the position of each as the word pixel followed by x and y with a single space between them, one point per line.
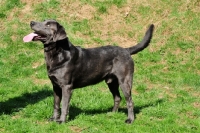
pixel 166 81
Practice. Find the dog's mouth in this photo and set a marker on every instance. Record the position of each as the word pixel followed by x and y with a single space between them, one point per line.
pixel 34 37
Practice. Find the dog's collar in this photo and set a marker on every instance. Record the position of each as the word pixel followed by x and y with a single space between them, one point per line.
pixel 61 43
pixel 49 47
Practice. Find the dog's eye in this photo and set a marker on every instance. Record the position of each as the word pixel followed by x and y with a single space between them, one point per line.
pixel 48 25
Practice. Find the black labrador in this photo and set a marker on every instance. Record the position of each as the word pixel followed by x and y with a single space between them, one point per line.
pixel 71 67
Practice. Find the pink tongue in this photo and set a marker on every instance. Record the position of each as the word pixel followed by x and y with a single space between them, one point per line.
pixel 29 37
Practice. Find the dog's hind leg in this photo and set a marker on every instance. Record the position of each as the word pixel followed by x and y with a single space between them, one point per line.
pixel 114 89
pixel 126 85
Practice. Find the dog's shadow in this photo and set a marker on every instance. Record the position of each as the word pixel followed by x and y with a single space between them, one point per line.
pixel 17 103
pixel 74 111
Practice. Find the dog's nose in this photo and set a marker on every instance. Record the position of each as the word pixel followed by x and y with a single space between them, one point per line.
pixel 32 23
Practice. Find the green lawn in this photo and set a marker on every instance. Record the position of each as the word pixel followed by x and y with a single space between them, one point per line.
pixel 166 87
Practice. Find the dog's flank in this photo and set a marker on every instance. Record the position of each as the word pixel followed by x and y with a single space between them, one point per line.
pixel 70 67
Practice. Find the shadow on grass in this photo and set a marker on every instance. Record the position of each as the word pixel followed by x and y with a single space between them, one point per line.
pixel 17 103
pixel 74 111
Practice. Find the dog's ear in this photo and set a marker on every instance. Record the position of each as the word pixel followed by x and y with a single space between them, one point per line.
pixel 60 34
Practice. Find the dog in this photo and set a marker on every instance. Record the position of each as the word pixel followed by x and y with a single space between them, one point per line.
pixel 70 67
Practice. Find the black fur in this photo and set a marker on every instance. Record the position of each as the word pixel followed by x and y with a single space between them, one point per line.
pixel 71 67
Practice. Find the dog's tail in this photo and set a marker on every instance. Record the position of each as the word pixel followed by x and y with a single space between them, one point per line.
pixel 144 43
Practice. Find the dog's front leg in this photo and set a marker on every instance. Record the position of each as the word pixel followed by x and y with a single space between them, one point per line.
pixel 66 95
pixel 57 99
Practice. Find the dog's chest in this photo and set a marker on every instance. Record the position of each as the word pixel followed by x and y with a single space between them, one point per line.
pixel 61 75
pixel 55 60
pixel 58 66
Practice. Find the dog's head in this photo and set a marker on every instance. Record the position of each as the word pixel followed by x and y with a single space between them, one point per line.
pixel 47 32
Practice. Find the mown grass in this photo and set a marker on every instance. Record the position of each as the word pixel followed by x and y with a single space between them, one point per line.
pixel 167 74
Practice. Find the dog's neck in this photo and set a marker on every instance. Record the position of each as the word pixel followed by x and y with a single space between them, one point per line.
pixel 64 44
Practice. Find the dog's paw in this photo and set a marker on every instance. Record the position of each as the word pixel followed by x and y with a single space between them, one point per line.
pixel 53 119
pixel 128 121
pixel 60 121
